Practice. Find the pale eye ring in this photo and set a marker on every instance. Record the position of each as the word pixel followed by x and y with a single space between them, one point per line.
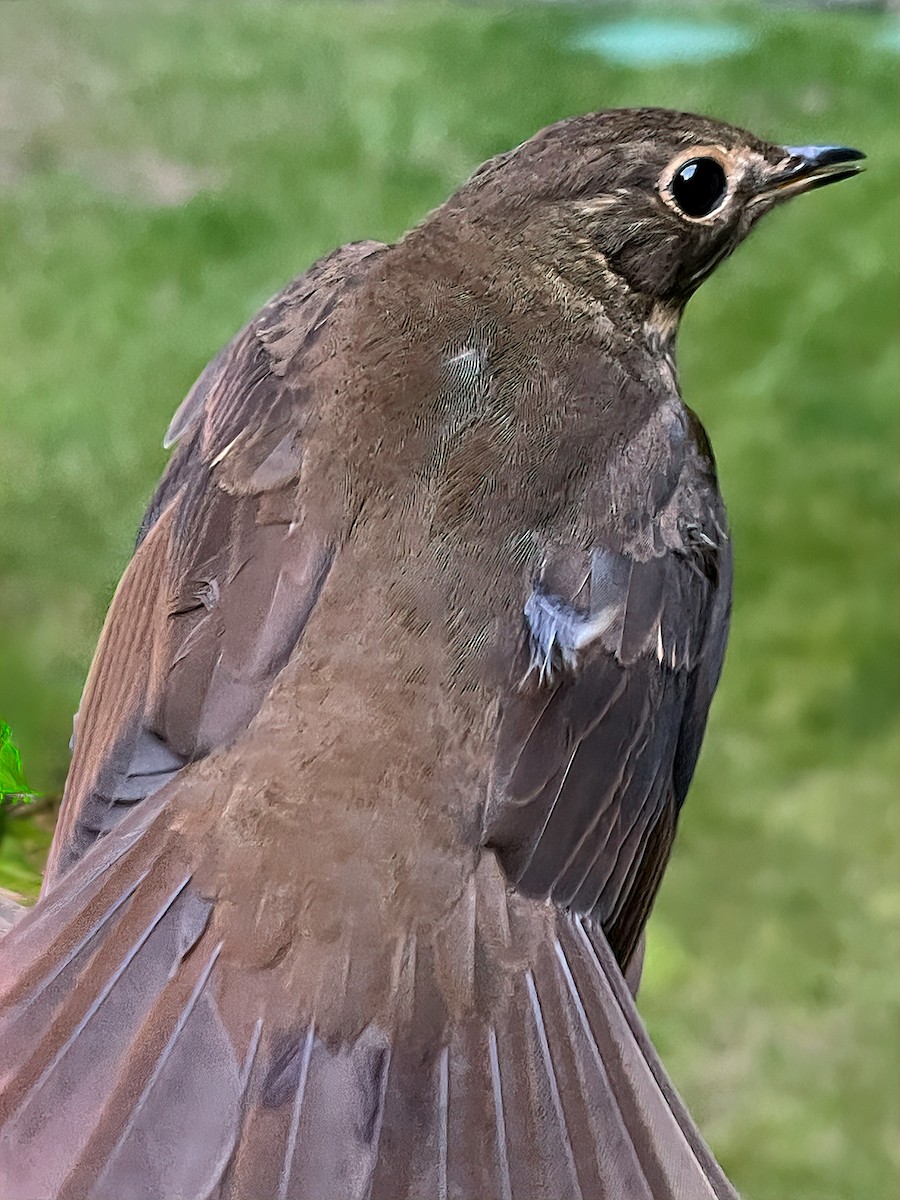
pixel 699 187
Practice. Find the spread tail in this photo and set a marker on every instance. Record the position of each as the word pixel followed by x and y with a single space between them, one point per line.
pixel 500 1057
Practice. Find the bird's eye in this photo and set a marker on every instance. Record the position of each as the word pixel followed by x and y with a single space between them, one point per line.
pixel 699 186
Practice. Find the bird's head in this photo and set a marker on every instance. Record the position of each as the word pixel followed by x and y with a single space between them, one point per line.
pixel 642 203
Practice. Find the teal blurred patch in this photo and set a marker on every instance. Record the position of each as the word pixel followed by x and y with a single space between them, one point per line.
pixel 642 42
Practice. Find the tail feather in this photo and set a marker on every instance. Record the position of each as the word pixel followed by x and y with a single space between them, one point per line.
pixel 508 1062
pixel 73 914
pixel 664 1116
pixel 542 1160
pixel 178 1086
pixel 65 1038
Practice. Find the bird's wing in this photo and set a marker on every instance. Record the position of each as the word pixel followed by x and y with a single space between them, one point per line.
pixel 598 743
pixel 226 570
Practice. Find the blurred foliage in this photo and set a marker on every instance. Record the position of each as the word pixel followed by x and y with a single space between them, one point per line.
pixel 165 167
pixel 13 785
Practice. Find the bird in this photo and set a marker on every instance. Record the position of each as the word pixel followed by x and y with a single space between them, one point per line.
pixel 379 761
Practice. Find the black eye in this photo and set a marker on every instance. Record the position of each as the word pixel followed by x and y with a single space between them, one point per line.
pixel 698 186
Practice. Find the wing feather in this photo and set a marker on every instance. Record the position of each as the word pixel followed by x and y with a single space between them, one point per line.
pixel 227 569
pixel 593 764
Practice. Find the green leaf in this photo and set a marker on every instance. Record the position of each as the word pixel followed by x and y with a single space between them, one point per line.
pixel 13 786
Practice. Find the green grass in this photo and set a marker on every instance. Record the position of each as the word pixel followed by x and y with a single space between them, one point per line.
pixel 165 167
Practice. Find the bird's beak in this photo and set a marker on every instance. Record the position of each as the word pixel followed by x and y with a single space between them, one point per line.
pixel 808 167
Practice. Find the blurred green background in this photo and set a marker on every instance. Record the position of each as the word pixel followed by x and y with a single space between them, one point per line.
pixel 165 167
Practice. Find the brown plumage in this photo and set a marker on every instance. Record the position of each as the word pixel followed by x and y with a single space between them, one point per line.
pixel 379 761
